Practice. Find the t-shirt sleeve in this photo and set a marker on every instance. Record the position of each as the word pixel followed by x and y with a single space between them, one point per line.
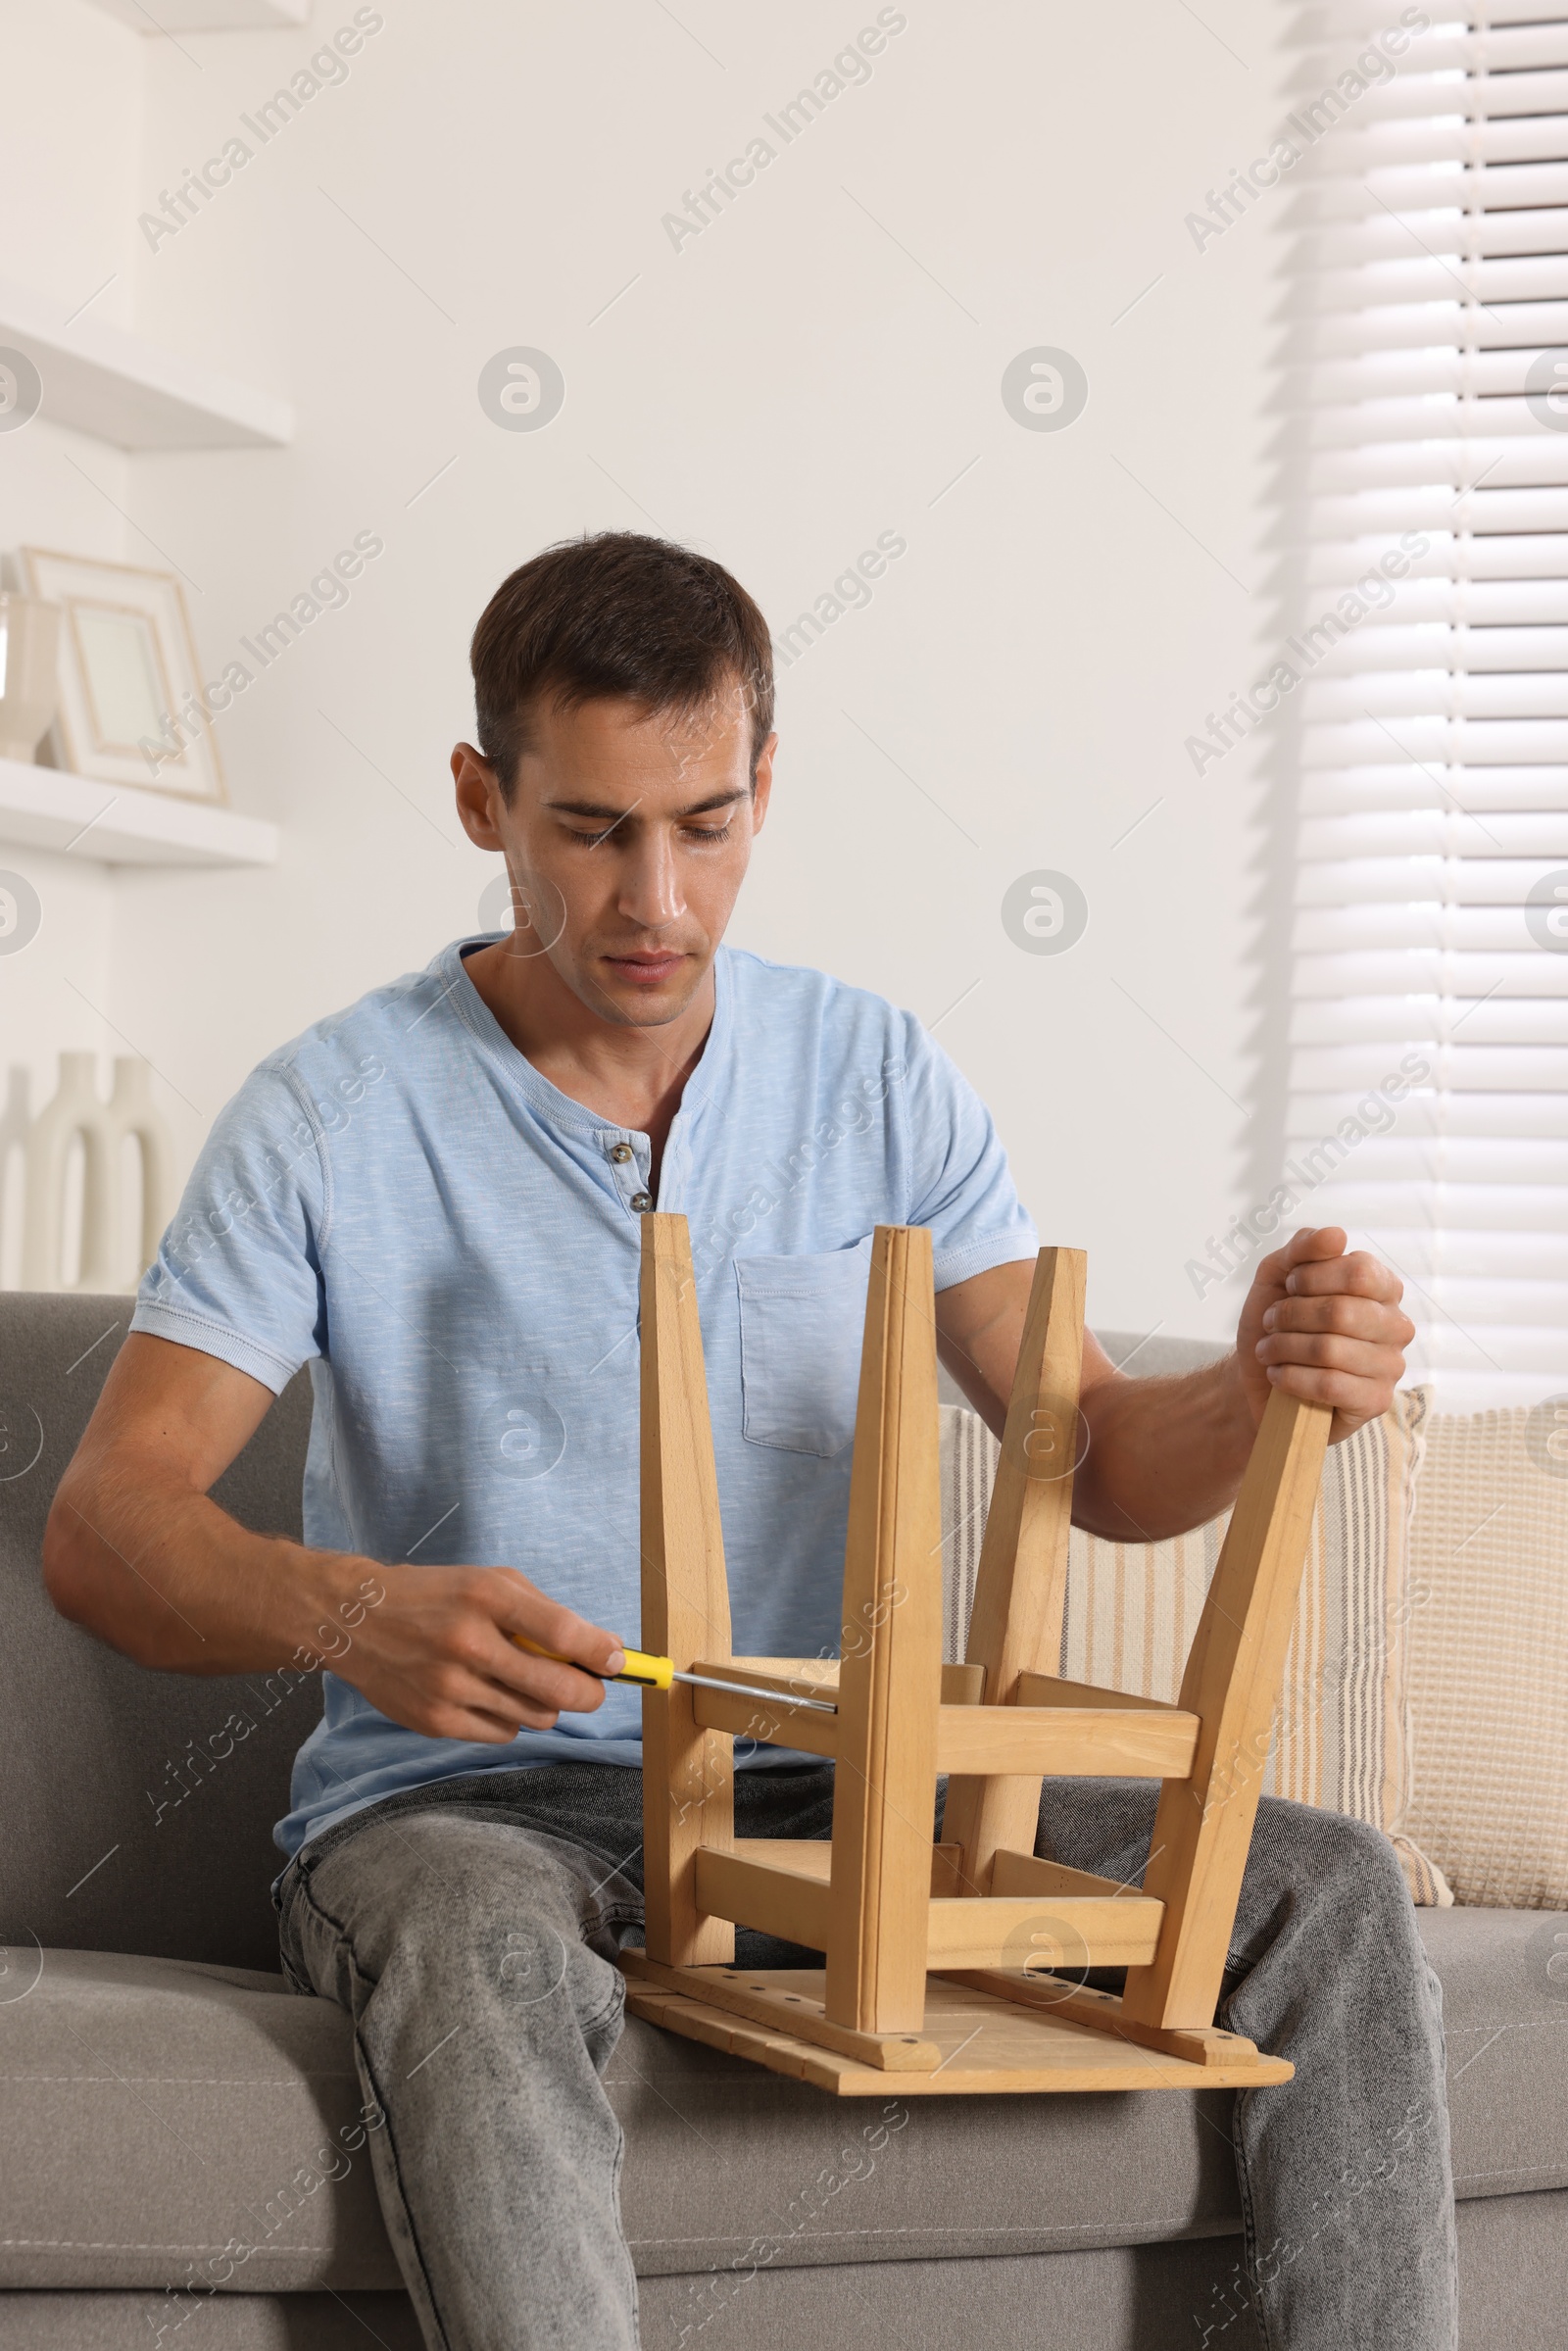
pixel 961 1186
pixel 238 1273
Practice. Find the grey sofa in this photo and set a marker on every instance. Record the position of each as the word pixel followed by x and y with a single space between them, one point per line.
pixel 166 2097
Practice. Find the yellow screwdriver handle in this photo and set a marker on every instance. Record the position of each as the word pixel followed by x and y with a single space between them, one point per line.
pixel 655 1673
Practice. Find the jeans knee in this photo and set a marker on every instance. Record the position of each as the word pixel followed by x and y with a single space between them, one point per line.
pixel 525 1961
pixel 1335 1860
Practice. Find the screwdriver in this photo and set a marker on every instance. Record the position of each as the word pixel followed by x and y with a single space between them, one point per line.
pixel 657 1673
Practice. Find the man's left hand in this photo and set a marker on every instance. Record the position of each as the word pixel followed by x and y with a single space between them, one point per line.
pixel 1325 1326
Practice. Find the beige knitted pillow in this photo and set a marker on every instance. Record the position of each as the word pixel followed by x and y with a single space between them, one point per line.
pixel 1341 1732
pixel 1488 1655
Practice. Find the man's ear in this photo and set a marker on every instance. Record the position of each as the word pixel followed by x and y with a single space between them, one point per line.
pixel 479 796
pixel 763 783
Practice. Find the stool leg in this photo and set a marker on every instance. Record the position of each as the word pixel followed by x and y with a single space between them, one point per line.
pixel 688 1772
pixel 890 1680
pixel 1204 1824
pixel 1015 1626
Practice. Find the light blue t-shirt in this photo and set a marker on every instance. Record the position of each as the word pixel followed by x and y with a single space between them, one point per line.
pixel 400 1199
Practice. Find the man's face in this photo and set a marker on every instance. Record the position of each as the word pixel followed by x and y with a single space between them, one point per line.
pixel 627 838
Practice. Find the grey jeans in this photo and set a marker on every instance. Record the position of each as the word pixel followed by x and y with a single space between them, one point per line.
pixel 471 1930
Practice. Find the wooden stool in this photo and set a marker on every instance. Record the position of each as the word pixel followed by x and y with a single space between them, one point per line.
pixel 941 1957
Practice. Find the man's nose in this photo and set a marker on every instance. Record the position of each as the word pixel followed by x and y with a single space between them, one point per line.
pixel 651 891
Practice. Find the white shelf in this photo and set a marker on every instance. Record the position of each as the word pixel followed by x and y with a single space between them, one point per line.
pixel 207 16
pixel 134 394
pixel 115 824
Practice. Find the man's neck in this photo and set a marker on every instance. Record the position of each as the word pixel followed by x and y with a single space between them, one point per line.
pixel 629 1076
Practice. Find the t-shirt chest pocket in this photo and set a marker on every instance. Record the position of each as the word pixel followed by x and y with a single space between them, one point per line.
pixel 801 1320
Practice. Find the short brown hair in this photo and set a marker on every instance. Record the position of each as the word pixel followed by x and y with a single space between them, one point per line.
pixel 615 615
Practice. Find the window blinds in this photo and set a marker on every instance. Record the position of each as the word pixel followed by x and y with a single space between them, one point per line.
pixel 1429 1067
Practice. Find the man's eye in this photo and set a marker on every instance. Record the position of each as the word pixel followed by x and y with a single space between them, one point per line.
pixel 692 832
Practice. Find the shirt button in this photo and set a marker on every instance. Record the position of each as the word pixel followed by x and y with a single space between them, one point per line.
pixel 620 1153
pixel 642 1199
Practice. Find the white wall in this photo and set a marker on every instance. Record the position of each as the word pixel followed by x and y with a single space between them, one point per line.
pixel 796 379
pixel 70 120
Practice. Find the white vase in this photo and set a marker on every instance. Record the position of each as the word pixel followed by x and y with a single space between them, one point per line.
pixel 29 641
pixel 75 1110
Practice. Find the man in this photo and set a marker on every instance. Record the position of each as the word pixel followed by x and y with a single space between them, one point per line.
pixel 433 1198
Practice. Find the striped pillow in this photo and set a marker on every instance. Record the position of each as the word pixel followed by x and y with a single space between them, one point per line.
pixel 1489 1654
pixel 1341 1736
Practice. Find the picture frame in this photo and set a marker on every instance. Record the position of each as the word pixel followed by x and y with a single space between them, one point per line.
pixel 132 709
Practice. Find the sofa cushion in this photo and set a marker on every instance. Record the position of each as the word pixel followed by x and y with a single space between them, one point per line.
pixel 1504 1976
pixel 1513 2289
pixel 165 2120
pixel 162 2116
pixel 1489 1654
pixel 61 2320
pixel 140 1804
pixel 786 2172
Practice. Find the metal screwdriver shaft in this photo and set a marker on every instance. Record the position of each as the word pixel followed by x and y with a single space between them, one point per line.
pixel 743 1689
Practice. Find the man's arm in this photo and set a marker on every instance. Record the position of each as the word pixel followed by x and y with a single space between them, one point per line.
pixel 136 1551
pixel 1166 1454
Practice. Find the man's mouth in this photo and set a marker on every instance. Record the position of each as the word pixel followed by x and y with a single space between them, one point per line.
pixel 646 967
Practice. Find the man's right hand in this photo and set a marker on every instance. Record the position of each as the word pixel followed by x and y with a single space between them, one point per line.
pixel 137 1552
pixel 438 1655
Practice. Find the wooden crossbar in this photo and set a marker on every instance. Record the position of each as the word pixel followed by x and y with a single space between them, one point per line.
pixel 794 1905
pixel 1058 1930
pixel 1084 1742
pixel 1047 1690
pixel 1021 1873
